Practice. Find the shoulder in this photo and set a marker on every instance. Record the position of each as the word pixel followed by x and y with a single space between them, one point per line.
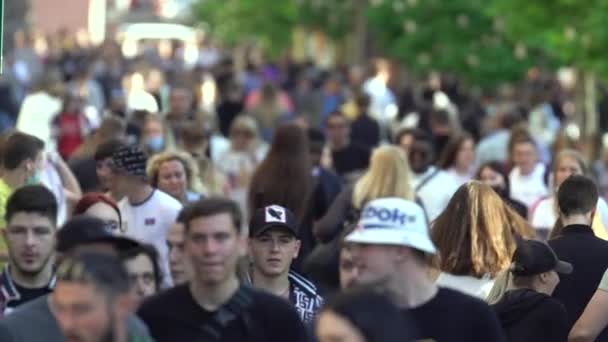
pixel 163 301
pixel 271 305
pixel 303 284
pixel 165 201
pixel 455 298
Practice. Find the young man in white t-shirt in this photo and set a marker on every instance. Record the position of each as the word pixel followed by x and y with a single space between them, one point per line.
pixel 147 213
pixel 527 177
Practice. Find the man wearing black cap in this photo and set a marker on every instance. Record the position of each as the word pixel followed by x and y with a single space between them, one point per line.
pixel 528 312
pixel 273 245
pixel 147 213
pixel 82 234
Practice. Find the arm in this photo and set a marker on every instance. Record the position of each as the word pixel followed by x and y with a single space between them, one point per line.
pixel 593 320
pixel 328 226
pixel 70 183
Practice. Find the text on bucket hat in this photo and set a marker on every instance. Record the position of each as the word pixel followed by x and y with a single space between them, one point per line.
pixel 393 221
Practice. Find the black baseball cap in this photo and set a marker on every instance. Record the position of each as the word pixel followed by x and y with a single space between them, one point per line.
pixel 272 216
pixel 84 229
pixel 534 257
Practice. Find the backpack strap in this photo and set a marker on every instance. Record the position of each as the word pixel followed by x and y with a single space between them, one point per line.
pixel 237 307
pixel 427 180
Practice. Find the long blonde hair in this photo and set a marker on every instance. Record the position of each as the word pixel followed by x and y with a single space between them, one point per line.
pixel 388 176
pixel 476 234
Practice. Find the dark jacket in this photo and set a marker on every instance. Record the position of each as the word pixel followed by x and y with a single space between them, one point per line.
pixel 589 257
pixel 527 315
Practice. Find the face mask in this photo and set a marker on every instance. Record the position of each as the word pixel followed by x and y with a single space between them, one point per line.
pixel 155 143
pixel 33 179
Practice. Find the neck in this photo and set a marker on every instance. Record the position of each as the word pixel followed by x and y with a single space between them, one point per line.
pixel 211 297
pixel 13 178
pixel 139 193
pixel 32 281
pixel 278 286
pixel 576 219
pixel 121 333
pixel 338 145
pixel 413 288
pixel 462 170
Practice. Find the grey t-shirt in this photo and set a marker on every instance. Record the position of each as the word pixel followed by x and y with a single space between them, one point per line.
pixel 35 322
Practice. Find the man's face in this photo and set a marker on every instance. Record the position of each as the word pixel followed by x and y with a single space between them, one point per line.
pixel 273 251
pixel 141 272
pixel 420 156
pixel 180 101
pixel 104 173
pixel 178 263
pixel 30 238
pixel 338 130
pixel 525 157
pixel 374 263
pixel 349 272
pixel 82 312
pixel 214 246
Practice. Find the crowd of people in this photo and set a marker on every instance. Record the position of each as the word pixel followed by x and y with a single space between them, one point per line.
pixel 144 199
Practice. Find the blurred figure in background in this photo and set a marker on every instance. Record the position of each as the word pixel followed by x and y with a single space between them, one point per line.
pixel 527 176
pixel 155 135
pixel 176 174
pixel 348 158
pixel 247 150
pixel 458 158
pixel 494 175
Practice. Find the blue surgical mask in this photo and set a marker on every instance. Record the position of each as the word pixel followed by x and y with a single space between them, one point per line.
pixel 155 143
pixel 33 179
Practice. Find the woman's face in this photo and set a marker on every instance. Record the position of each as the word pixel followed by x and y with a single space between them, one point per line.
pixel 331 327
pixel 566 167
pixel 492 178
pixel 466 154
pixel 153 128
pixel 241 139
pixel 104 212
pixel 172 179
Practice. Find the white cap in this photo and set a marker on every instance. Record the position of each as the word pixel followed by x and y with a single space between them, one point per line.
pixel 393 221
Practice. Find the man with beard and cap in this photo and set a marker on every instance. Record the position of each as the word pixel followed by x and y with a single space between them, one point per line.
pixel 93 299
pixel 82 234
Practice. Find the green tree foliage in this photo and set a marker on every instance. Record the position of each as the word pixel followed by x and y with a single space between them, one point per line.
pixel 570 31
pixel 456 36
pixel 270 22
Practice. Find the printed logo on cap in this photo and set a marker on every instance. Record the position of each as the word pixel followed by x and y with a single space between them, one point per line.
pixel 274 213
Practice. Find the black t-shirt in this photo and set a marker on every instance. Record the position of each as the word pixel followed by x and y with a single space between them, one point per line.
pixel 453 316
pixel 352 158
pixel 27 294
pixel 174 315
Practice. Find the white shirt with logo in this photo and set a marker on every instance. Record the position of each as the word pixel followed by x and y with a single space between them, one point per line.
pixel 148 222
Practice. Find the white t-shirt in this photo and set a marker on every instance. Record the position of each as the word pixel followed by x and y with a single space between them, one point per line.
pixel 458 178
pixel 476 287
pixel 148 222
pixel 528 188
pixel 435 189
pixel 35 116
pixel 544 215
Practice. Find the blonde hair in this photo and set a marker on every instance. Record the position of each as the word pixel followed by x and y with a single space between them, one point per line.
pixel 245 122
pixel 388 176
pixel 476 234
pixel 190 166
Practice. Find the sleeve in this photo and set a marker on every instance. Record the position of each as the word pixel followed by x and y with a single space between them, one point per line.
pixel 488 327
pixel 288 326
pixel 328 226
pixel 556 326
pixel 5 333
pixel 604 282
